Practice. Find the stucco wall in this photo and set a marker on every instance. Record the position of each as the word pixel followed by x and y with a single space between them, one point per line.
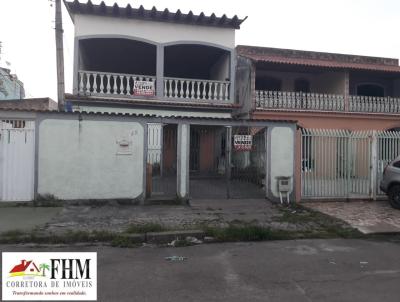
pixel 83 159
pixel 330 82
pixel 324 82
pixel 160 32
pixel 282 156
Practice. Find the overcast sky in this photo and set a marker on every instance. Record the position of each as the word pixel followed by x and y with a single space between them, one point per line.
pixel 364 27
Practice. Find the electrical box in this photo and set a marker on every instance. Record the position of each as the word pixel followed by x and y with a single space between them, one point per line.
pixel 284 184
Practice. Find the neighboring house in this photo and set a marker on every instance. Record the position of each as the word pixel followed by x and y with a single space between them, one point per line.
pixel 35 104
pixel 343 104
pixel 10 87
pixel 320 90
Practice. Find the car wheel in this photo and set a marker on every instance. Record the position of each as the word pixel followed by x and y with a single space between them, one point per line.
pixel 394 196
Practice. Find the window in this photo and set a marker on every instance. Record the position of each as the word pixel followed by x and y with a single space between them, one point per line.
pixel 370 90
pixel 396 164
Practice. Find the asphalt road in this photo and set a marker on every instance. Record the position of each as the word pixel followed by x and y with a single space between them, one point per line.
pixel 295 271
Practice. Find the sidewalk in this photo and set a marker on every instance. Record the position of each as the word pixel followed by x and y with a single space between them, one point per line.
pixel 26 218
pixel 368 217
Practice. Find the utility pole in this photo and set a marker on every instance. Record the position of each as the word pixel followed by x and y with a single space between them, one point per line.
pixel 60 56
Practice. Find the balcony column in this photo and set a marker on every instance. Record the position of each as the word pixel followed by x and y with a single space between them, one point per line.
pixel 346 91
pixel 232 76
pixel 160 72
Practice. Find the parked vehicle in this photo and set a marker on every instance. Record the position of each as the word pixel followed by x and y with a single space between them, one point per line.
pixel 390 183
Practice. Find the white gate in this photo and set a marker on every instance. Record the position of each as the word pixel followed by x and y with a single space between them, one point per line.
pixel 345 164
pixel 17 157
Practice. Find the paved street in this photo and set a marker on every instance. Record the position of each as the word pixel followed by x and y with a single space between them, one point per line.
pixel 307 270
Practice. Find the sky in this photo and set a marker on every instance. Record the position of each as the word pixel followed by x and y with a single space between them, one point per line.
pixel 363 27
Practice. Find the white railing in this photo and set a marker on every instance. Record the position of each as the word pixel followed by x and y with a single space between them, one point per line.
pixel 108 83
pixel 374 104
pixel 299 100
pixel 196 89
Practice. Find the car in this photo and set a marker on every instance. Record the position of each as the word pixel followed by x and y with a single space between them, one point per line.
pixel 390 183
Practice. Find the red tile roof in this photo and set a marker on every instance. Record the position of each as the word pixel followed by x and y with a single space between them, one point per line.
pixel 318 59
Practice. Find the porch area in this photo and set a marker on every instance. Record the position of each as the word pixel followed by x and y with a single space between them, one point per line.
pixel 126 68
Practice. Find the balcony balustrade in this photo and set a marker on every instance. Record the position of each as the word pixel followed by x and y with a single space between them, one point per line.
pixel 109 84
pixel 196 89
pixel 116 84
pixel 325 102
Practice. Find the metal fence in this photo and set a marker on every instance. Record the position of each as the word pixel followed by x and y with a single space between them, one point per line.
pixel 345 164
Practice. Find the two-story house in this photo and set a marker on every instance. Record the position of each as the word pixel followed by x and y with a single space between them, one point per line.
pixel 170 64
pixel 341 102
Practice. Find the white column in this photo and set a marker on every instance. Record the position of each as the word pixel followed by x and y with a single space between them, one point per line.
pixel 374 165
pixel 183 162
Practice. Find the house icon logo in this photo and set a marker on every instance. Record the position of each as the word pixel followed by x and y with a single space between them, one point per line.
pixel 29 268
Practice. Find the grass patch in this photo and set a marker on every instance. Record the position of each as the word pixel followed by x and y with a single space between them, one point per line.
pixel 145 228
pixel 240 233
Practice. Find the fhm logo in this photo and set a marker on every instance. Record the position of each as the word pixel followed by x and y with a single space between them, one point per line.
pixel 58 269
pixel 29 268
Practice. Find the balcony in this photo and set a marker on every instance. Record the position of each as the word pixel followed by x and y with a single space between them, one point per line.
pixel 325 102
pixel 125 68
pixel 96 83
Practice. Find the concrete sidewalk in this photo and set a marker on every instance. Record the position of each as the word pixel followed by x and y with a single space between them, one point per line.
pixel 26 218
pixel 368 217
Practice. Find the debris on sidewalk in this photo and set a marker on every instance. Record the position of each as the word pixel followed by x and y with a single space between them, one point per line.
pixel 193 240
pixel 175 258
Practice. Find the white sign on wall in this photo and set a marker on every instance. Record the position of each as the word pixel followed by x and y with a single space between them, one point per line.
pixel 242 142
pixel 143 88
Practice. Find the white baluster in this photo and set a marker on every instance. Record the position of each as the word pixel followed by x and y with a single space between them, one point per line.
pixel 101 83
pixel 187 89
pixel 209 91
pixel 94 75
pixel 115 88
pixel 226 91
pixel 128 85
pixel 181 91
pixel 165 88
pixel 192 89
pixel 176 88
pixel 88 82
pixel 204 90
pixel 215 96
pixel 221 91
pixel 121 85
pixel 81 74
pixel 170 88
pixel 108 84
pixel 198 90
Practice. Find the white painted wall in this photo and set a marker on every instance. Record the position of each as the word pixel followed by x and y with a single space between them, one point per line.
pixel 160 32
pixel 164 113
pixel 83 160
pixel 282 155
pixel 183 159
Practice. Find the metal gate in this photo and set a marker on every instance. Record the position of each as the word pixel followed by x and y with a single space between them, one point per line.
pixel 335 163
pixel 345 164
pixel 161 160
pixel 17 157
pixel 388 149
